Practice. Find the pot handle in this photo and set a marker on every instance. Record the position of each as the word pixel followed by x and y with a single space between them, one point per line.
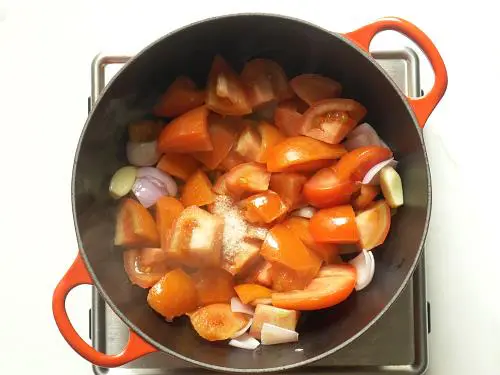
pixel 77 275
pixel 422 106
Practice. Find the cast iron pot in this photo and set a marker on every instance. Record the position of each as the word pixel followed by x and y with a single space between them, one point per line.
pixel 298 47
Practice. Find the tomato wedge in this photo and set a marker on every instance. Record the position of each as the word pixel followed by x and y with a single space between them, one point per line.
pixel 248 145
pixel 226 93
pixel 198 190
pixel 249 292
pixel 264 208
pixel 168 209
pixel 335 225
pixel 135 227
pixel 312 88
pixel 141 274
pixel 288 120
pixel 302 154
pixel 373 225
pixel 330 120
pixel 231 160
pixel 217 321
pixel 260 273
pixel 285 279
pixel 186 133
pixel 366 196
pixel 327 189
pixel 214 285
pixel 322 292
pixel 356 163
pixel 266 81
pixel 289 187
pixel 178 165
pixel 181 96
pixel 247 177
pixel 270 136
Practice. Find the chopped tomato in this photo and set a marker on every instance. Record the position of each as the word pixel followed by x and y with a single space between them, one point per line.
pixel 326 189
pixel 366 196
pixel 168 210
pixel 312 88
pixel 141 274
pixel 226 93
pixel 178 165
pixel 223 138
pixel 248 145
pixel 330 120
pixel 186 133
pixel 322 292
pixel 135 227
pixel 264 208
pixel 301 154
pixel 196 238
pixel 284 247
pixel 174 295
pixel 288 120
pixel 270 136
pixel 181 96
pixel 300 226
pixel 285 279
pixel 217 321
pixel 289 187
pixel 214 285
pixel 231 160
pixel 356 163
pixel 249 292
pixel 247 177
pixel 198 190
pixel 335 225
pixel 260 273
pixel 373 225
pixel 144 131
pixel 240 258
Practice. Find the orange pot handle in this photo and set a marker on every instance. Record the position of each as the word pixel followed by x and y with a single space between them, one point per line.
pixel 77 275
pixel 422 106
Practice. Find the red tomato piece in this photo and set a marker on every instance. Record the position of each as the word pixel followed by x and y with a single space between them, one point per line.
pixel 330 120
pixel 270 136
pixel 356 163
pixel 226 93
pixel 288 120
pixel 181 96
pixel 312 88
pixel 289 187
pixel 366 196
pixel 247 177
pixel 135 227
pixel 334 225
pixel 264 208
pixel 373 225
pixel 141 273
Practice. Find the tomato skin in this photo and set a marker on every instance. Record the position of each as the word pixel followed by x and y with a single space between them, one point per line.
pixel 180 97
pixel 312 88
pixel 226 94
pixel 326 189
pixel 373 224
pixel 322 292
pixel 356 163
pixel 334 225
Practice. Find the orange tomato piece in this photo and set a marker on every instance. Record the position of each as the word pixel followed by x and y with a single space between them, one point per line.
pixel 249 292
pixel 231 160
pixel 289 187
pixel 356 163
pixel 260 273
pixel 141 273
pixel 264 208
pixel 223 138
pixel 284 247
pixel 198 190
pixel 226 93
pixel 312 88
pixel 270 136
pixel 300 226
pixel 330 120
pixel 178 165
pixel 174 295
pixel 298 154
pixel 214 285
pixel 285 279
pixel 249 143
pixel 373 225
pixel 325 189
pixel 322 292
pixel 366 196
pixel 186 133
pixel 168 209
pixel 144 131
pixel 247 177
pixel 240 258
pixel 217 322
pixel 135 227
pixel 180 97
pixel 288 120
pixel 335 225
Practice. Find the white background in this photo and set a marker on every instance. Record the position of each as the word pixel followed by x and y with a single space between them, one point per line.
pixel 45 52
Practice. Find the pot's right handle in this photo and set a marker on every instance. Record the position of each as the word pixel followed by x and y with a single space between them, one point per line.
pixel 422 106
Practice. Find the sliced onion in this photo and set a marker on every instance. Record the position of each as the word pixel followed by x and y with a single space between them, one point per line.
pixel 142 154
pixel 371 177
pixel 272 334
pixel 148 190
pixel 243 330
pixel 165 179
pixel 358 141
pixel 363 135
pixel 239 307
pixel 305 212
pixel 245 341
pixel 365 268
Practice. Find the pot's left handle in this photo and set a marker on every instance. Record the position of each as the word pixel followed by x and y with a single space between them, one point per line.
pixel 77 275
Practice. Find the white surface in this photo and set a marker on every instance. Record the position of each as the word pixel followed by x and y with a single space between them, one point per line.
pixel 45 51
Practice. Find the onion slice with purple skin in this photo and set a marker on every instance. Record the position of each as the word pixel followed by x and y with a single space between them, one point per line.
pixel 305 212
pixel 365 269
pixel 245 341
pixel 239 307
pixel 271 335
pixel 243 330
pixel 371 177
pixel 165 179
pixel 151 184
pixel 363 135
pixel 142 154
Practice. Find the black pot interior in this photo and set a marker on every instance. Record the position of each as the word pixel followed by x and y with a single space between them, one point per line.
pixel 299 48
